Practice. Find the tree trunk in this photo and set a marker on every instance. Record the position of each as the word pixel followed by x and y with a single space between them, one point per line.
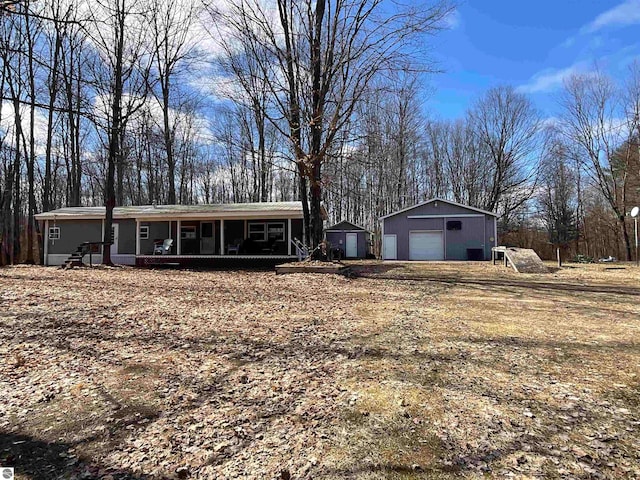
pixel 115 142
pixel 626 238
pixel 31 159
pixel 168 141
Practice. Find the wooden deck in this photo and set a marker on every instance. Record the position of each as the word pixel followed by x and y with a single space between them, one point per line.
pixel 213 261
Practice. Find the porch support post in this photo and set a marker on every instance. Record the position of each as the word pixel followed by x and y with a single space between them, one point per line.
pixel 222 236
pixel 289 236
pixel 245 230
pixel 102 238
pixel 179 235
pixel 46 243
pixel 137 237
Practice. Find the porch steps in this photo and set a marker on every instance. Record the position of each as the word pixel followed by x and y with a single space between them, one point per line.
pixel 75 259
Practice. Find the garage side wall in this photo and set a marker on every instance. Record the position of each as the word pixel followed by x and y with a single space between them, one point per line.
pixel 470 236
pixel 491 236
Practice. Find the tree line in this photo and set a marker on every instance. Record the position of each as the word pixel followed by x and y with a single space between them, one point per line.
pixel 121 102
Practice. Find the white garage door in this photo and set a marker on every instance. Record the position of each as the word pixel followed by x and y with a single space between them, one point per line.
pixel 426 246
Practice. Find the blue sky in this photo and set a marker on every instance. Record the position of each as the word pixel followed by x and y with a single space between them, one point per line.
pixel 532 46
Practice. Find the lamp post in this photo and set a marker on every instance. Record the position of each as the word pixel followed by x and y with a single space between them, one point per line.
pixel 634 214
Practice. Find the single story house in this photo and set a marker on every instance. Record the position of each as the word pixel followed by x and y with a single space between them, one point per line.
pixel 195 235
pixel 353 240
pixel 438 229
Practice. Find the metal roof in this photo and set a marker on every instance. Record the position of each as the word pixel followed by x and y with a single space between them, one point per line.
pixel 178 211
pixel 436 199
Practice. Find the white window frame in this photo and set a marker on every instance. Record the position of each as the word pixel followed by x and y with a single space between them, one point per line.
pixel 191 229
pixel 279 225
pixel 144 232
pixel 54 233
pixel 263 233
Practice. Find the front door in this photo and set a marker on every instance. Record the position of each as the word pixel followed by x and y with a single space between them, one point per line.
pixel 114 238
pixel 207 239
pixel 351 248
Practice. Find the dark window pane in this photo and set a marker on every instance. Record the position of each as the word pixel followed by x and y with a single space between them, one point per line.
pixel 454 225
pixel 207 230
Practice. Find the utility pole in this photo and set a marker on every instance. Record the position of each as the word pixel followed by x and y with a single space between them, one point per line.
pixel 634 214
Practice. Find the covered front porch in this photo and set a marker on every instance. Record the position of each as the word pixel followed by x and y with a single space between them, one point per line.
pixel 190 241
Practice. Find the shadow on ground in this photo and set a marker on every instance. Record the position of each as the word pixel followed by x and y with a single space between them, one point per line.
pixel 39 460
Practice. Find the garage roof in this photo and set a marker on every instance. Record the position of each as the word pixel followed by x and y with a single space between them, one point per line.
pixel 474 209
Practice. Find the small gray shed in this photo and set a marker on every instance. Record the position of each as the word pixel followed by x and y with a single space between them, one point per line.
pixel 438 229
pixel 353 240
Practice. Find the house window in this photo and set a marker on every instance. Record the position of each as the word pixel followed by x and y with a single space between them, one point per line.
pixel 54 233
pixel 454 225
pixel 144 232
pixel 263 231
pixel 258 232
pixel 275 231
pixel 207 230
pixel 188 232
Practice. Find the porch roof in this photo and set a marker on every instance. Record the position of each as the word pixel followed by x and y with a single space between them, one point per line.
pixel 174 212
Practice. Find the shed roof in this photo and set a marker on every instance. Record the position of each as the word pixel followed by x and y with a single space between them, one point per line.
pixel 345 225
pixel 269 209
pixel 436 199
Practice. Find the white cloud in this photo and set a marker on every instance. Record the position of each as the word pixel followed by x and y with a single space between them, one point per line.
pixel 8 125
pixel 550 79
pixel 453 20
pixel 624 14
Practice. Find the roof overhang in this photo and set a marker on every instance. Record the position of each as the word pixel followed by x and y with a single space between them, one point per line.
pixel 147 214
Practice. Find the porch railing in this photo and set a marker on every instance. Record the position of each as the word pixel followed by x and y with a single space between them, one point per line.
pixel 302 251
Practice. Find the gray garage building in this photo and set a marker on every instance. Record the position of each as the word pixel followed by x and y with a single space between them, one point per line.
pixel 353 240
pixel 438 229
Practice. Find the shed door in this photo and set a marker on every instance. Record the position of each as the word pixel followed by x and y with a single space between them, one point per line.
pixel 426 246
pixel 351 248
pixel 390 247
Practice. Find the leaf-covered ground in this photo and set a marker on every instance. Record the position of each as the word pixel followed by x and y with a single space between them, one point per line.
pixel 429 370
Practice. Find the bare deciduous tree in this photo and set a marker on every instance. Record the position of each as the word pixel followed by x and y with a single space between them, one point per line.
pixel 320 58
pixel 590 120
pixel 119 32
pixel 506 126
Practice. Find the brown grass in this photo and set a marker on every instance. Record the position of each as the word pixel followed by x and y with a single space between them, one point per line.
pixel 422 370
